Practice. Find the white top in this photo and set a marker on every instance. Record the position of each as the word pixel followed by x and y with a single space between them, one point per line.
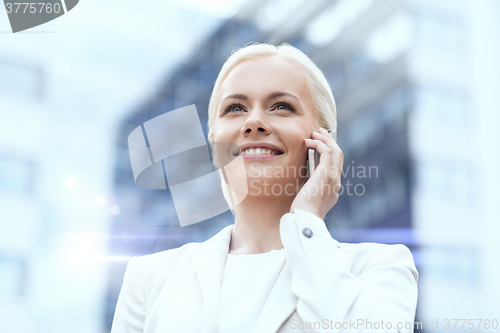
pixel 246 281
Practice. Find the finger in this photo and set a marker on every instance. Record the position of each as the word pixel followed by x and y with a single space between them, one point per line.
pixel 328 165
pixel 336 156
pixel 317 144
pixel 330 141
pixel 325 151
pixel 328 135
pixel 326 138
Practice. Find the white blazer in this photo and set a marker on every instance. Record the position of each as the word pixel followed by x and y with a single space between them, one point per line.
pixel 324 285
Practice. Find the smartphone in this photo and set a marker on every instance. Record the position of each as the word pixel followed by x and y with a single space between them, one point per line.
pixel 313 157
pixel 312 161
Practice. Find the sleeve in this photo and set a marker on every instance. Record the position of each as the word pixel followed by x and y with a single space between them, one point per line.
pixel 130 312
pixel 382 298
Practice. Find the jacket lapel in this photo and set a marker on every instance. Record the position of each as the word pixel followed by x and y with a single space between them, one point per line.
pixel 209 259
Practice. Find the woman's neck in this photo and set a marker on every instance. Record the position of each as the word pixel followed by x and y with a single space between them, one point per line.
pixel 256 226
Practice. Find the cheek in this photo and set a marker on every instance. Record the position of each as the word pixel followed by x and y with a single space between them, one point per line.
pixel 297 148
pixel 224 131
pixel 221 136
pixel 218 132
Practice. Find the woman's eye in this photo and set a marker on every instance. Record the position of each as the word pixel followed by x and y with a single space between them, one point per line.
pixel 283 106
pixel 234 108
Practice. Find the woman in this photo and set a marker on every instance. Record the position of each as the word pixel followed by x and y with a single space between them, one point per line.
pixel 277 269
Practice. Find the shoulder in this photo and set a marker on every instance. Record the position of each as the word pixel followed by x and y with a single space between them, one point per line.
pixel 365 256
pixel 164 257
pixel 157 267
pixel 150 267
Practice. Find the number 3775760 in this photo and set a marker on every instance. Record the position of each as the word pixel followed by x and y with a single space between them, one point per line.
pixel 32 8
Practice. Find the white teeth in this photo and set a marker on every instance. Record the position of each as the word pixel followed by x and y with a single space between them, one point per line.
pixel 259 151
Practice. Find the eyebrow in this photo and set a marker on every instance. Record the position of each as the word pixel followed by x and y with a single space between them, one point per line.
pixel 270 96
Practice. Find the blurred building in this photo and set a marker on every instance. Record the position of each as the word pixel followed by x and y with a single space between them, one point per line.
pixel 402 75
pixel 22 85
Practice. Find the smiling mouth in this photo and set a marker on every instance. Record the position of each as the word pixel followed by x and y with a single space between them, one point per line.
pixel 259 151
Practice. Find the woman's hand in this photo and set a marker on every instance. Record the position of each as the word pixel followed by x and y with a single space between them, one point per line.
pixel 320 192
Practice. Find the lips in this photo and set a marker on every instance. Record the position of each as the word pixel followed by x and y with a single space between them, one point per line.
pixel 262 146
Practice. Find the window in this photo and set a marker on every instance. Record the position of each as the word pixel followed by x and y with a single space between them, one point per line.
pixel 336 78
pixel 390 39
pixel 364 132
pixel 276 12
pixel 440 31
pixel 21 79
pixel 397 186
pixel 12 273
pixel 453 262
pixel 16 174
pixel 446 179
pixel 444 104
pixel 329 25
pixel 395 108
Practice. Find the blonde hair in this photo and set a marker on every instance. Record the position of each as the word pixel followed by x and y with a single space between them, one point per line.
pixel 319 89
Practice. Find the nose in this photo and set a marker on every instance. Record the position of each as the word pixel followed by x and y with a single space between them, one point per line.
pixel 256 123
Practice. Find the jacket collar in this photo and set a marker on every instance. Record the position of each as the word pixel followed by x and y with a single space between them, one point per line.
pixel 209 258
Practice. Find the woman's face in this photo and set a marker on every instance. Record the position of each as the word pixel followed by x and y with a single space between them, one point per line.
pixel 265 101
